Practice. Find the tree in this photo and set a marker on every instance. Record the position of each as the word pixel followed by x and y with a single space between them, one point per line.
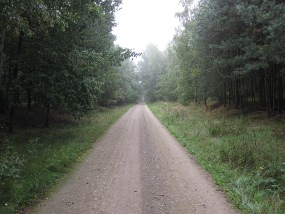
pixel 231 50
pixel 151 67
pixel 168 82
pixel 57 54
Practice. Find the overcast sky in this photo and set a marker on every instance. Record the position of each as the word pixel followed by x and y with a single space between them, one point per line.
pixel 141 22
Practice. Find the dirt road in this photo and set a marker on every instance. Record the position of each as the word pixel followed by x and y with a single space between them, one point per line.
pixel 137 167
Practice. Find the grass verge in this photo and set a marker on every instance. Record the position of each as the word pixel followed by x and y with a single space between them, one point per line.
pixel 33 160
pixel 244 154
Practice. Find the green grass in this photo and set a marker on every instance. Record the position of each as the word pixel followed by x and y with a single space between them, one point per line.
pixel 32 161
pixel 244 154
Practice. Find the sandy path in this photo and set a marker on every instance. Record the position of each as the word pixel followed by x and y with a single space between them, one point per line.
pixel 138 167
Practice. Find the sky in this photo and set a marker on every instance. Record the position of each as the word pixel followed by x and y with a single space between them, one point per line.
pixel 141 22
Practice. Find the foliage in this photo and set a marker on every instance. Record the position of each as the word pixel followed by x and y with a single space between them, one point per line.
pixel 151 67
pixel 231 50
pixel 11 164
pixel 121 85
pixel 167 85
pixel 57 54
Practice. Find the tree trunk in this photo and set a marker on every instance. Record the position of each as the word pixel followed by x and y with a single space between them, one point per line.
pixel 205 99
pixel 3 37
pixel 261 90
pixel 237 94
pixel 196 93
pixel 2 100
pixel 252 92
pixel 241 94
pixel 20 43
pixel 47 116
pixel 29 104
pixel 267 93
pixel 7 89
pixel 12 112
pixel 14 77
pixel 280 94
pixel 29 97
pixel 233 92
pixel 230 92
pixel 225 94
pixel 274 89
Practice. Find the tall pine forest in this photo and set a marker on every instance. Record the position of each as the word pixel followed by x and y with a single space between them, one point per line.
pixel 229 50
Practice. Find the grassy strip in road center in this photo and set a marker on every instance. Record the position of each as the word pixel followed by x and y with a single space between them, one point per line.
pixel 33 160
pixel 244 155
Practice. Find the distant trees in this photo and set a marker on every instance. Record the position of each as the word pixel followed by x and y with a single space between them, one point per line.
pixel 58 54
pixel 231 50
pixel 151 66
pixel 168 80
pixel 122 85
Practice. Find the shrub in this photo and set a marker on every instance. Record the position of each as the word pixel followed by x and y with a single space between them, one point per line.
pixel 11 163
pixel 239 151
pixel 218 128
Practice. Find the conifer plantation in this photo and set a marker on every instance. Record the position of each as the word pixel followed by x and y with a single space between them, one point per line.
pixel 226 65
pixel 230 50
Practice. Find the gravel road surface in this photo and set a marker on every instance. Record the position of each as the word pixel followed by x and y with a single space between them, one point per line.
pixel 137 167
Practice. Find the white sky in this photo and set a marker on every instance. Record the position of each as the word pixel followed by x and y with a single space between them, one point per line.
pixel 141 22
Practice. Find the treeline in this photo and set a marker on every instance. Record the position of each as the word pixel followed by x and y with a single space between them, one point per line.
pixel 228 49
pixel 61 55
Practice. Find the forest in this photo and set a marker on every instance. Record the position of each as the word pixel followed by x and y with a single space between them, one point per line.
pixel 64 81
pixel 60 71
pixel 232 51
pixel 60 56
pixel 226 65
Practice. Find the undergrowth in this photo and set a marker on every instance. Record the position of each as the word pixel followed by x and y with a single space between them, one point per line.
pixel 245 156
pixel 33 160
